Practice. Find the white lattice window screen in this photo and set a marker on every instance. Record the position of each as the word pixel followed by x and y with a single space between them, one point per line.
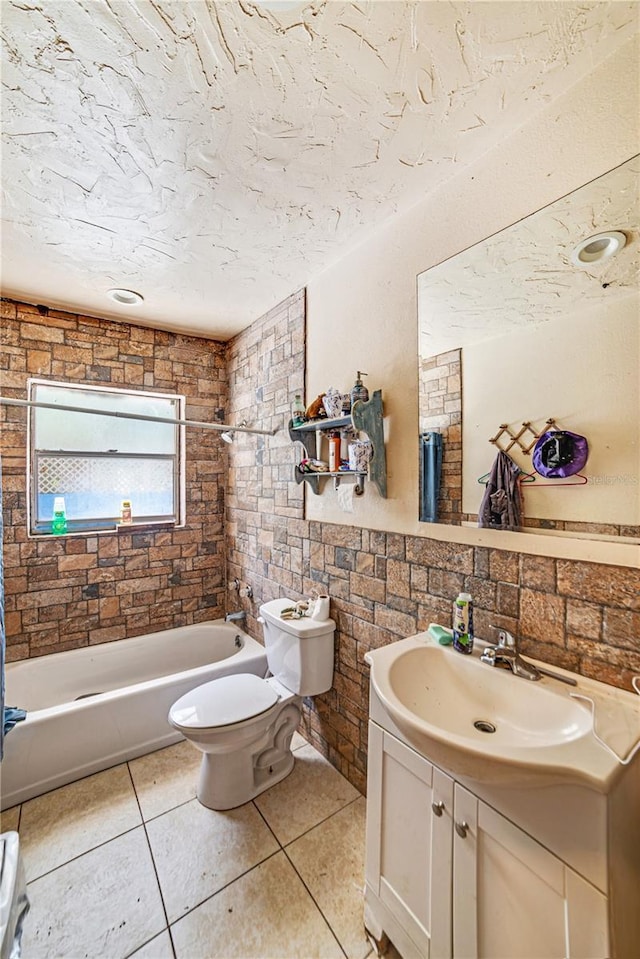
pixel 123 476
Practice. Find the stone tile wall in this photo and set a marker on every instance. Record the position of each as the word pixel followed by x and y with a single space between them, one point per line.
pixel 65 592
pixel 265 529
pixel 385 586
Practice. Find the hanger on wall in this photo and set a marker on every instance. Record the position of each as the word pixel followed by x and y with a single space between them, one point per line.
pixel 522 477
pixel 578 479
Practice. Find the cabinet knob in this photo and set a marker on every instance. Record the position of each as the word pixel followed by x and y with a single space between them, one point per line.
pixel 462 828
pixel 438 808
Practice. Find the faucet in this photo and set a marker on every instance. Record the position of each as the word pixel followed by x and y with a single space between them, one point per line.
pixel 236 617
pixel 505 653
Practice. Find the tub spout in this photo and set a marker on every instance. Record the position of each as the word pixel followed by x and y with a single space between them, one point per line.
pixel 238 617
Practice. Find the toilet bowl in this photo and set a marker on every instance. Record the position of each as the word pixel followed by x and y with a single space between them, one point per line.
pixel 243 725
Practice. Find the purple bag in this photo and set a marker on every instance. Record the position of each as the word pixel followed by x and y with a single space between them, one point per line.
pixel 560 453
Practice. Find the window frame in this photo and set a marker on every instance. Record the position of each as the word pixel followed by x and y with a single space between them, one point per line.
pixel 90 527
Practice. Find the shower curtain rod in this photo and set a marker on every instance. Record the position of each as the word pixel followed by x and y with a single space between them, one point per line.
pixel 219 427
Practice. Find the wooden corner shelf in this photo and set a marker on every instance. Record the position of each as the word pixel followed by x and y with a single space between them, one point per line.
pixel 366 417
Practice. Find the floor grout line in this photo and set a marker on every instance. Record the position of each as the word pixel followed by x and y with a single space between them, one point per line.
pixel 155 870
pixel 316 904
pixel 321 821
pixel 85 853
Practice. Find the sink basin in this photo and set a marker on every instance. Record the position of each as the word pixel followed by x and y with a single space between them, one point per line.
pixel 454 694
pixel 484 723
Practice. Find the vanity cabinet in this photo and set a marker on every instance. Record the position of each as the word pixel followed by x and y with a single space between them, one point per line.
pixel 366 417
pixel 449 877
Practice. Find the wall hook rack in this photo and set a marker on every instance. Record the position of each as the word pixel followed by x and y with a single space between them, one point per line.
pixel 516 438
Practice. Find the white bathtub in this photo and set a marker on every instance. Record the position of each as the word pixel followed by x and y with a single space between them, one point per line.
pixel 129 687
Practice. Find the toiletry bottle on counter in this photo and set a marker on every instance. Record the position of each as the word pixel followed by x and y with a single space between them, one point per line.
pixel 463 623
pixel 359 391
pixel 298 413
pixel 334 452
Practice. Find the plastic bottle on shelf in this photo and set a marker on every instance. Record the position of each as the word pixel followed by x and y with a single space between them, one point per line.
pixel 59 521
pixel 334 452
pixel 345 437
pixel 298 413
pixel 463 623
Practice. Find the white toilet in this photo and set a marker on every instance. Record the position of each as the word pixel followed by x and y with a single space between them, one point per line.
pixel 244 724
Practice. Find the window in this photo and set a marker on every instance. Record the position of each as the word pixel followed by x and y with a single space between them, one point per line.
pixel 96 461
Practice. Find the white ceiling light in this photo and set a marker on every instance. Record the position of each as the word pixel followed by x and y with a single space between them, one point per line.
pixel 602 246
pixel 125 297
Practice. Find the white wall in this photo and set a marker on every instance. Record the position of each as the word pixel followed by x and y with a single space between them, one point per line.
pixel 580 369
pixel 362 312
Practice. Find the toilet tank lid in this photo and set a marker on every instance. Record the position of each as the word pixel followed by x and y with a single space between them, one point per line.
pixel 223 701
pixel 305 628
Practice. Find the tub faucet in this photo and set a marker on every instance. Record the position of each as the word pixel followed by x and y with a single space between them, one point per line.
pixel 238 617
pixel 505 653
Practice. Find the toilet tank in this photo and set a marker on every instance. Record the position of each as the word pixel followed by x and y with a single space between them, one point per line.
pixel 299 651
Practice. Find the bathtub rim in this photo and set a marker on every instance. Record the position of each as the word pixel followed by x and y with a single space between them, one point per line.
pixel 250 649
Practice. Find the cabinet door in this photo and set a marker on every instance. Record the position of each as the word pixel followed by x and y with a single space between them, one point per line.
pixel 408 845
pixel 513 899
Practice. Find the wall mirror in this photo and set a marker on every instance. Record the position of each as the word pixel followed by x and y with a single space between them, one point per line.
pixel 524 328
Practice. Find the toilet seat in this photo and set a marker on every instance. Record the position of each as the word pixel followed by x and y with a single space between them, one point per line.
pixel 223 702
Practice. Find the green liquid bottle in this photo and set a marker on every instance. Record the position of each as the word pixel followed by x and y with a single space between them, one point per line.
pixel 59 521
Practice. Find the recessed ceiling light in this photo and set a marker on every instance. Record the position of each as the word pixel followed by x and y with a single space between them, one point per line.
pixel 598 247
pixel 125 297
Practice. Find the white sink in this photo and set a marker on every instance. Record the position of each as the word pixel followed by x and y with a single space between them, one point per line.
pixel 484 723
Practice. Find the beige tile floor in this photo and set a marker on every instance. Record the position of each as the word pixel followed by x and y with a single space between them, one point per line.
pixel 128 863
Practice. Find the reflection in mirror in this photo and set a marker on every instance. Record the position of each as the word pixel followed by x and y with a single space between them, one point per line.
pixel 525 327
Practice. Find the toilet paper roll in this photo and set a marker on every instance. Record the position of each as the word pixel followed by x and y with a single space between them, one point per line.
pixel 321 609
pixel 345 497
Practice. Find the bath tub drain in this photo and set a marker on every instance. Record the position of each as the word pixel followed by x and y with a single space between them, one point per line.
pixel 484 726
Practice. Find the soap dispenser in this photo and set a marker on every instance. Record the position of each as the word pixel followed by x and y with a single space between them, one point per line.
pixel 359 390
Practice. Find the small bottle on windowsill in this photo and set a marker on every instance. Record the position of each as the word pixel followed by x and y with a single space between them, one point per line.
pixel 125 512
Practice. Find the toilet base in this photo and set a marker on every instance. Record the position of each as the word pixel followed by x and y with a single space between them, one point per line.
pixel 235 773
pixel 216 795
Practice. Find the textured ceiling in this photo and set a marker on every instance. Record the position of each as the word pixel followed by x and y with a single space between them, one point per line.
pixel 215 156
